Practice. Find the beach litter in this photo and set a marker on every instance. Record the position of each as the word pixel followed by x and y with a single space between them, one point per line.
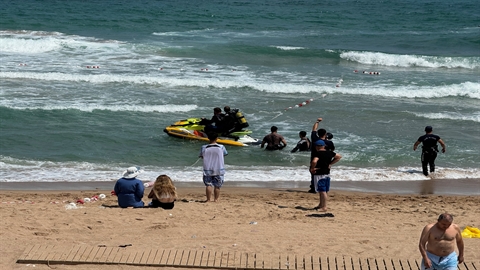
pixel 253 222
pixel 471 232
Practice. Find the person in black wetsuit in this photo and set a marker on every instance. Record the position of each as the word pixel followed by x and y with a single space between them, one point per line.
pixel 216 123
pixel 429 149
pixel 303 144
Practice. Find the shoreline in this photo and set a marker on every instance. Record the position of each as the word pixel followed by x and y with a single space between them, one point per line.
pixel 434 186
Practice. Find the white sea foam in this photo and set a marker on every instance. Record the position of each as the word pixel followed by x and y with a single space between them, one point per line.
pixel 466 89
pixel 475 117
pixel 43 42
pixel 15 170
pixel 288 48
pixel 115 108
pixel 395 60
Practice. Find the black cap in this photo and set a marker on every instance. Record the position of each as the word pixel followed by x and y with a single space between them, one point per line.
pixel 428 129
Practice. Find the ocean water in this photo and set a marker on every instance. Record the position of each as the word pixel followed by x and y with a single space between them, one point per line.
pixel 86 88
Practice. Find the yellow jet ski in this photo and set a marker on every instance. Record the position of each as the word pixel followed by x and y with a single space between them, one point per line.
pixel 192 128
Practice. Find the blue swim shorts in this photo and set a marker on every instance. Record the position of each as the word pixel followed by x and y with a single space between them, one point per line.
pixel 321 182
pixel 448 262
pixel 213 180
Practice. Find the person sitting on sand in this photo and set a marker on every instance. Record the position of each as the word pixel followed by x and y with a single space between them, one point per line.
pixel 129 189
pixel 163 193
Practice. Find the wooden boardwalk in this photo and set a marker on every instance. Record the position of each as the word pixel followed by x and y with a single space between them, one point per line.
pixel 83 254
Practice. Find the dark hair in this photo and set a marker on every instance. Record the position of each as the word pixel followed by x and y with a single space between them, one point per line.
pixel 273 129
pixel 321 132
pixel 445 216
pixel 329 136
pixel 302 133
pixel 226 109
pixel 217 109
pixel 212 136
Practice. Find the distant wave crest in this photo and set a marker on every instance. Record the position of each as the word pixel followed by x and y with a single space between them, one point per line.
pixel 394 60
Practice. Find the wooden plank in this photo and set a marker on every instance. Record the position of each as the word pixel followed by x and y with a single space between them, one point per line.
pixel 178 257
pixel 203 258
pixel 284 262
pixel 462 266
pixel 396 264
pixel 43 253
pixel 411 265
pixel 109 254
pixel 26 253
pixel 125 254
pixel 158 258
pixel 184 258
pixel 118 255
pixel 150 254
pixel 51 253
pixel 223 259
pixel 248 260
pixel 347 263
pixel 268 261
pixel 166 255
pixel 138 257
pixel 191 258
pixel 418 264
pixel 315 261
pixel 38 253
pixel 265 261
pixel 99 257
pixel 356 264
pixel 172 257
pixel 80 255
pixel 92 254
pixel 132 257
pixel 151 257
pixel 68 256
pixel 198 258
pixel 209 259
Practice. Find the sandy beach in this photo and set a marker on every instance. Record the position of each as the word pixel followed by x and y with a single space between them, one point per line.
pixel 269 220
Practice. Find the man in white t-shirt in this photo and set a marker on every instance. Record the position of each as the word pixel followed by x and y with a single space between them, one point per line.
pixel 213 166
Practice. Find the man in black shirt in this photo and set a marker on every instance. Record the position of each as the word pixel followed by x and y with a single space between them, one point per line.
pixel 429 149
pixel 320 169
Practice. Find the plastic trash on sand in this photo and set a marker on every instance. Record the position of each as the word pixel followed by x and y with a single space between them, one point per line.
pixel 471 232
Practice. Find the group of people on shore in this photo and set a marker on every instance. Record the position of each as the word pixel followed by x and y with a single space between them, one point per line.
pixel 130 190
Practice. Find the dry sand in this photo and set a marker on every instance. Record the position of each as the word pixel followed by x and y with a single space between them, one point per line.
pixel 257 220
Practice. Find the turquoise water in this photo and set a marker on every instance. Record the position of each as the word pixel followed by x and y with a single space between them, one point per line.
pixel 87 88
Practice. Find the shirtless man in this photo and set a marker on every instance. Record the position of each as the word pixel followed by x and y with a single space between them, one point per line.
pixel 437 244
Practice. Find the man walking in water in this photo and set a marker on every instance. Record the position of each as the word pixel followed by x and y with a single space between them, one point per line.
pixel 437 244
pixel 429 149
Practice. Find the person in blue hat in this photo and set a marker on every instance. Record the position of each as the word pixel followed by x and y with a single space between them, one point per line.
pixel 429 149
pixel 320 169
